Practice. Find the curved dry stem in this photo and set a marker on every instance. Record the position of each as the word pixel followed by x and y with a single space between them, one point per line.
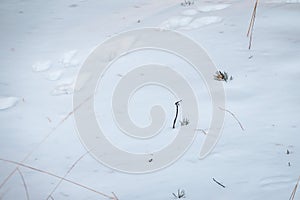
pixel 56 176
pixel 24 183
pixel 66 174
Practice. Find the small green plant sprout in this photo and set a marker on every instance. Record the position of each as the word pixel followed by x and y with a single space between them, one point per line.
pixel 185 121
pixel 180 194
pixel 187 3
pixel 222 76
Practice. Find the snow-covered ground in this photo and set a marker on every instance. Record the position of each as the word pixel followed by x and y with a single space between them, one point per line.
pixel 44 44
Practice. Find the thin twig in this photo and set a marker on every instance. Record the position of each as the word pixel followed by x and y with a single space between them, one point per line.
pixel 24 183
pixel 43 140
pixel 219 183
pixel 115 196
pixel 8 177
pixel 251 25
pixel 56 176
pixel 67 173
pixel 233 117
pixel 202 130
pixel 294 190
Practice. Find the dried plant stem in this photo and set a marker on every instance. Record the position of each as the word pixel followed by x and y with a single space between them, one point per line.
pixel 218 183
pixel 8 177
pixel 202 130
pixel 42 141
pixel 66 174
pixel 233 117
pixel 294 190
pixel 115 196
pixel 251 25
pixel 24 183
pixel 56 176
pixel 176 115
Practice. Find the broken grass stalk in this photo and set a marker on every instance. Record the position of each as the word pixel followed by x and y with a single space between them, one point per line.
pixel 177 105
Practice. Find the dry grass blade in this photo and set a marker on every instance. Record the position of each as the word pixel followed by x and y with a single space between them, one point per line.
pixel 8 177
pixel 43 140
pixel 114 196
pixel 67 173
pixel 24 183
pixel 251 25
pixel 233 115
pixel 294 190
pixel 56 176
pixel 203 131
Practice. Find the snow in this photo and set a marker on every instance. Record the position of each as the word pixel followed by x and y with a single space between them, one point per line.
pixel 44 44
pixel 63 89
pixel 8 102
pixel 216 7
pixel 189 12
pixel 69 59
pixel 54 75
pixel 41 66
pixel 203 21
pixel 188 23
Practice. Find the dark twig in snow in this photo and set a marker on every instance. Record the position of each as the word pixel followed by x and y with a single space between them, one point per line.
pixel 219 183
pixel 233 117
pixel 24 183
pixel 177 105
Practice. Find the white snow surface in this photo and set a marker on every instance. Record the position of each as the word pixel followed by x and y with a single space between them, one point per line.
pixel 41 66
pixel 8 102
pixel 55 37
pixel 215 7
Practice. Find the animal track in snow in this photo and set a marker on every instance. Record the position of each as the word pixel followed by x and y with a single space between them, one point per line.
pixel 69 59
pixel 67 88
pixel 8 102
pixel 188 20
pixel 54 75
pixel 209 8
pixel 203 21
pixel 177 22
pixel 276 182
pixel 283 1
pixel 189 12
pixel 41 66
pixel 188 23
